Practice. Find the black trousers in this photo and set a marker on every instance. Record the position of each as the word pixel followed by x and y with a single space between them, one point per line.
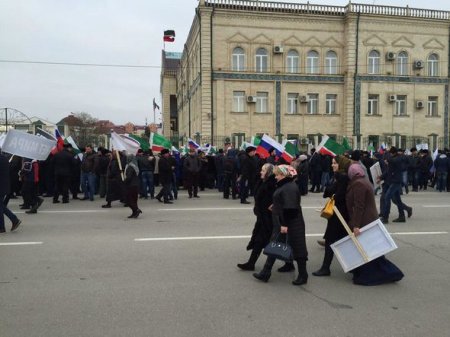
pixel 61 187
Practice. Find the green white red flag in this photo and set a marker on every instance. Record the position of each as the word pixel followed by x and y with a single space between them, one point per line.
pixel 159 142
pixel 330 147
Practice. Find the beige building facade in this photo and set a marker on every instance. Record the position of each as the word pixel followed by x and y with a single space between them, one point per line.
pixel 371 73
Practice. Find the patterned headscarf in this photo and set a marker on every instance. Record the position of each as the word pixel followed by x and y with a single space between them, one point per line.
pixel 355 171
pixel 286 170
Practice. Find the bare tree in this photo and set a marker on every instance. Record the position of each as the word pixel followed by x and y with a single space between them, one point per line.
pixel 83 128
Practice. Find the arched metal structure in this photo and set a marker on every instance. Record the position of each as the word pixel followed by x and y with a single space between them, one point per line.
pixel 10 118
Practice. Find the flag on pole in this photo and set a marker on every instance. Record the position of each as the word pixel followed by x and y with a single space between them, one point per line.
pixel 42 133
pixel 75 149
pixel 382 148
pixel 256 140
pixel 264 146
pixel 124 143
pixel 159 142
pixel 192 144
pixel 59 142
pixel 345 144
pixel 330 147
pixel 155 106
pixel 289 152
pixel 142 142
pixel 169 36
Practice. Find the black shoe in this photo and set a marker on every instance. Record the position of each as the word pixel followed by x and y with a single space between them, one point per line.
pixel 106 206
pixel 32 211
pixel 159 199
pixel 85 198
pixel 168 202
pixel 190 197
pixel 65 201
pixel 399 219
pixel 246 266
pixel 323 271
pixel 15 225
pixel 286 268
pixel 245 202
pixel 301 279
pixel 409 211
pixel 262 276
pixel 384 220
pixel 56 201
pixel 226 197
pixel 25 207
pixel 196 196
pixel 321 243
pixel 75 197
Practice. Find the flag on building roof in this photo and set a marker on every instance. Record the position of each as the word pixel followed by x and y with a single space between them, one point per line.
pixel 330 147
pixel 290 151
pixel 143 142
pixel 155 106
pixel 169 36
pixel 266 144
pixel 124 143
pixel 159 142
pixel 192 144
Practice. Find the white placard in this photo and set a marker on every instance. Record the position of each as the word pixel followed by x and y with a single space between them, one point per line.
pixel 375 172
pixel 26 145
pixel 375 241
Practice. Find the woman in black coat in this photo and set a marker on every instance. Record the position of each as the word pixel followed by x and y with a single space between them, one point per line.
pixel 115 186
pixel 335 230
pixel 132 185
pixel 287 218
pixel 263 226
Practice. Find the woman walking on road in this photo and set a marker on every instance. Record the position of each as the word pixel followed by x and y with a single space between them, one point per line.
pixel 132 185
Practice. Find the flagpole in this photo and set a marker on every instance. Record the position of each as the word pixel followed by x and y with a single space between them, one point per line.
pixel 120 165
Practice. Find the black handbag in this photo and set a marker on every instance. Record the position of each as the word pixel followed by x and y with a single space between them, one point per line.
pixel 279 250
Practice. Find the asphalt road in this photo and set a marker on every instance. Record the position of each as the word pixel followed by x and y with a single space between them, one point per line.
pixel 80 270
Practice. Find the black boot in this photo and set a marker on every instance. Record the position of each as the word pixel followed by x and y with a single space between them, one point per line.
pixel 250 265
pixel 325 269
pixel 288 266
pixel 302 273
pixel 265 273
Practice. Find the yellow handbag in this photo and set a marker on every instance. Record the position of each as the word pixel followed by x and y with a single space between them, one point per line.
pixel 327 210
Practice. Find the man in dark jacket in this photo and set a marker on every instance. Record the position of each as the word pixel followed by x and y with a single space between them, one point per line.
pixel 441 165
pixel 88 168
pixel 191 169
pixel 315 169
pixel 165 176
pixel 146 163
pixel 247 179
pixel 62 163
pixel 4 190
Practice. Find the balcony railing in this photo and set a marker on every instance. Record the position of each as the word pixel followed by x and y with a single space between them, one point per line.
pixel 270 6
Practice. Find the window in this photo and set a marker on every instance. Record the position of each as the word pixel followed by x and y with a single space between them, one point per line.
pixel 432 106
pixel 400 105
pixel 312 62
pixel 238 101
pixel 313 104
pixel 261 60
pixel 433 65
pixel 292 103
pixel 261 101
pixel 292 61
pixel 238 59
pixel 374 62
pixel 331 104
pixel 331 63
pixel 373 105
pixel 402 63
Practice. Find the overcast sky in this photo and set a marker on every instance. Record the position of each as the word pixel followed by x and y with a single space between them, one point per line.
pixel 100 32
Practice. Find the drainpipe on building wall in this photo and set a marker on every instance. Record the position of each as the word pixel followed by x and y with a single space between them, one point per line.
pixel 212 80
pixel 447 94
pixel 357 134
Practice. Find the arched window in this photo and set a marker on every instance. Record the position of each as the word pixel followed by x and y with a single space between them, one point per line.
pixel 433 65
pixel 402 63
pixel 312 62
pixel 261 60
pixel 292 61
pixel 331 63
pixel 374 62
pixel 238 59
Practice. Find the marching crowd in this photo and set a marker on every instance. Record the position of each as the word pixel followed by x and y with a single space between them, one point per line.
pixel 276 186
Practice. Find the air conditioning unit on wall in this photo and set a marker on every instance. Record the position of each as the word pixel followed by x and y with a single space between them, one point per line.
pixel 303 99
pixel 418 64
pixel 251 99
pixel 420 104
pixel 392 98
pixel 278 49
pixel 390 56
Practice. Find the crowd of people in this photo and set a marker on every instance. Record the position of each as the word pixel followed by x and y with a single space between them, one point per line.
pixel 276 186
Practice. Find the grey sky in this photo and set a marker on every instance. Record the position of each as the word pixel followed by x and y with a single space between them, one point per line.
pixel 102 32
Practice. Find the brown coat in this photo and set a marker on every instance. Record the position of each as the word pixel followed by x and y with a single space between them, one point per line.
pixel 360 202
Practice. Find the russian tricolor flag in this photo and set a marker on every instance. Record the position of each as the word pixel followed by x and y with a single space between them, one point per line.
pixel 192 144
pixel 264 146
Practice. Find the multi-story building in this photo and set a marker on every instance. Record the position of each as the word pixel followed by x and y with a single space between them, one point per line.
pixel 371 73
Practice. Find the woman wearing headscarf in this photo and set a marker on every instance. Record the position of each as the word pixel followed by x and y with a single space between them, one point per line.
pixel 362 210
pixel 263 226
pixel 335 230
pixel 287 219
pixel 132 185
